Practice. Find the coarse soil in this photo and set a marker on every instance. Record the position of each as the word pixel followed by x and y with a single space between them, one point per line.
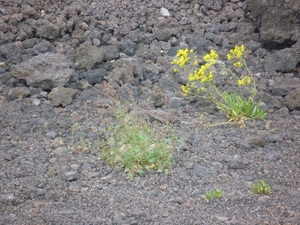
pixel 50 171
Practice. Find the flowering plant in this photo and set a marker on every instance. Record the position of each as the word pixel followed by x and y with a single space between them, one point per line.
pixel 237 107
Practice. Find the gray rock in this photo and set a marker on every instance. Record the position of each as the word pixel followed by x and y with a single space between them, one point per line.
pixel 15 19
pixel 202 45
pixel 237 164
pixel 46 71
pixel 51 134
pixel 8 198
pixel 284 86
pixel 71 176
pixel 278 21
pixel 145 38
pixel 200 172
pixel 11 53
pixel 242 144
pixel 124 70
pixel 7 37
pixel 151 72
pixel 96 42
pixel 18 93
pixel 112 52
pixel 28 11
pixel 271 101
pixel 2 98
pixel 129 92
pixel 62 96
pixel 122 75
pixel 36 102
pixel 260 52
pixel 222 218
pixel 5 220
pixel 127 46
pixel 46 29
pixel 61 150
pixel 158 99
pixel 29 43
pixel 188 165
pixel 151 52
pixel 162 116
pixel 284 111
pixel 284 60
pixel 256 141
pixel 88 56
pixel 164 29
pixel 292 100
pixel 83 85
pixel 214 4
pixel 94 76
pixel 7 156
pixel 43 47
pixel 164 12
pixel 246 28
pixel 264 198
pixel 119 218
pixel 167 83
pixel 152 193
pixel 177 102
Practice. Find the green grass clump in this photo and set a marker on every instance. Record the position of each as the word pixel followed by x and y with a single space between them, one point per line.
pixel 217 193
pixel 261 188
pixel 136 144
pixel 238 108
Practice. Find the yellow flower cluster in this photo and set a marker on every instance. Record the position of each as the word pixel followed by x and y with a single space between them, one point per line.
pixel 183 56
pixel 186 89
pixel 200 76
pixel 237 54
pixel 204 74
pixel 244 81
pixel 201 79
pixel 211 58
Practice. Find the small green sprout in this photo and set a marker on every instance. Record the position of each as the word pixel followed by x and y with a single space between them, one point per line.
pixel 217 193
pixel 261 188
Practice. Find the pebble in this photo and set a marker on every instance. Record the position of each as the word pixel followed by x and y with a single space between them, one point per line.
pixel 71 176
pixel 7 156
pixel 164 12
pixel 163 187
pixel 264 198
pixel 222 218
pixel 51 134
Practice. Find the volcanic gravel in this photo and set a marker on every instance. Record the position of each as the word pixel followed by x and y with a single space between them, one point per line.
pixel 47 176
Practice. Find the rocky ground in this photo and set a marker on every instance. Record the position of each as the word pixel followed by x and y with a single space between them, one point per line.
pixel 50 170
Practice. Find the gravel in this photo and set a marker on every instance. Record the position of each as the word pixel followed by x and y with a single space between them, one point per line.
pixel 50 171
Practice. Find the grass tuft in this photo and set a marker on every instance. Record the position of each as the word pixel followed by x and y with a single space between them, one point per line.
pixel 261 188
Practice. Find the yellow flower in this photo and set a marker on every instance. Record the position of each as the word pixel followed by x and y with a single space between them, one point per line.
pixel 244 81
pixel 214 54
pixel 183 56
pixel 185 90
pixel 238 64
pixel 175 70
pixel 211 57
pixel 152 166
pixel 201 89
pixel 236 53
pixel 174 62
